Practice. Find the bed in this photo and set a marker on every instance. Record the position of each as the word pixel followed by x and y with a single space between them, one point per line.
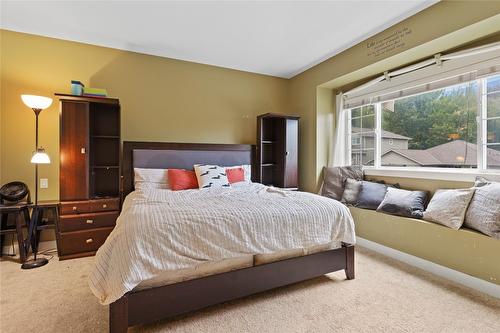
pixel 173 252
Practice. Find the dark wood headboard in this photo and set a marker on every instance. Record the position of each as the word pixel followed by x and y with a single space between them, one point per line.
pixel 165 155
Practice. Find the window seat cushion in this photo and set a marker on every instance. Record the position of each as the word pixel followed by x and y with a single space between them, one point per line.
pixel 464 250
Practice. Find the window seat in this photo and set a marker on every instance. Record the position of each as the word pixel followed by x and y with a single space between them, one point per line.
pixel 464 250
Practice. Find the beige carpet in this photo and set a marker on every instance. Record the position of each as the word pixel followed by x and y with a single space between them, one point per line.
pixel 386 296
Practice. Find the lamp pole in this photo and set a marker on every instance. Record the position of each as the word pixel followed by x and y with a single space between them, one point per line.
pixel 37 112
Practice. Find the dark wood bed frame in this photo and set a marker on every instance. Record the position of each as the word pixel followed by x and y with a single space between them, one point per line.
pixel 150 305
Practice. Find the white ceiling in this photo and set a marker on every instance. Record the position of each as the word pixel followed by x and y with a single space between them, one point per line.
pixel 279 38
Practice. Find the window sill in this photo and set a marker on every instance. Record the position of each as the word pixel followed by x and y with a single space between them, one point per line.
pixel 432 173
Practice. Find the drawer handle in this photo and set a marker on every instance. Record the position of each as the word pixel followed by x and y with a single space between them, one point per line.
pixel 104 206
pixel 74 208
pixel 90 221
pixel 88 241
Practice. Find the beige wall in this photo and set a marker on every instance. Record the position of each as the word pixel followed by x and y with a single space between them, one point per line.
pixel 162 99
pixel 443 26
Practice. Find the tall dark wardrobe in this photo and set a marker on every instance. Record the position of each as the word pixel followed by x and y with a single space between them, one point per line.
pixel 89 175
pixel 278 150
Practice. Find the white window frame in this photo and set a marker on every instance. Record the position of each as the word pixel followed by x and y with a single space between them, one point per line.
pixel 453 174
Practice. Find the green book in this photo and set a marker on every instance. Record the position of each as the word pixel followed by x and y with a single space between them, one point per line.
pixel 94 91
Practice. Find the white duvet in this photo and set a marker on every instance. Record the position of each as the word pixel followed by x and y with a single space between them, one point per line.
pixel 161 230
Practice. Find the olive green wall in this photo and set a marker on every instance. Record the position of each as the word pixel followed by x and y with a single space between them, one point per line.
pixel 438 28
pixel 463 250
pixel 162 99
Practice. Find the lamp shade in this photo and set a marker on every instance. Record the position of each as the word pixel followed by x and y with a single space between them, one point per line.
pixel 36 102
pixel 40 157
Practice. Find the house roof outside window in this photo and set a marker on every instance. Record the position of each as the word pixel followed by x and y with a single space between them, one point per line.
pixel 456 153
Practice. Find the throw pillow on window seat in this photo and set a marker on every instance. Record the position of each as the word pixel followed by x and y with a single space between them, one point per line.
pixel 483 213
pixel 448 207
pixel 352 187
pixel 334 178
pixel 371 194
pixel 404 203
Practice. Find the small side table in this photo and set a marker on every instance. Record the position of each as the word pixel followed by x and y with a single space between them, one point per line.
pixel 22 219
pixel 46 209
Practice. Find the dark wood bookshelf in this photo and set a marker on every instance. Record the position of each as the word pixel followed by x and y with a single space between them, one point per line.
pixel 277 150
pixel 89 173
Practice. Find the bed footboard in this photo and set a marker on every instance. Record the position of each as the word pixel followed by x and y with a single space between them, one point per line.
pixel 150 305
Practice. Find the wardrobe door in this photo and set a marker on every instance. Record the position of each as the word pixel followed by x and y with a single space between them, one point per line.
pixel 291 153
pixel 74 144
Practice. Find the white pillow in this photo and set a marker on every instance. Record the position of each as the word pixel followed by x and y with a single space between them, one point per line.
pixel 247 170
pixel 150 178
pixel 483 214
pixel 211 176
pixel 448 207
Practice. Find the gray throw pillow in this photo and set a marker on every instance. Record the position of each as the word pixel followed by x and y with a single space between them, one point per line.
pixel 404 203
pixel 351 191
pixel 334 178
pixel 483 213
pixel 448 207
pixel 371 195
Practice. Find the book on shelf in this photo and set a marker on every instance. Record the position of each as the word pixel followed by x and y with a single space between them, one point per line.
pixel 94 92
pixel 94 95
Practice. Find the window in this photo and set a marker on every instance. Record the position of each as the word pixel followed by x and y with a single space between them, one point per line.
pixel 490 117
pixel 453 127
pixel 363 135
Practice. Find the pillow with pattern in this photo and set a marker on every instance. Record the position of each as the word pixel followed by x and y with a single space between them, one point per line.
pixel 210 176
pixel 483 213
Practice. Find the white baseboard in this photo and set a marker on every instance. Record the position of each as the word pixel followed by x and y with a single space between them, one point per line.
pixel 42 246
pixel 442 271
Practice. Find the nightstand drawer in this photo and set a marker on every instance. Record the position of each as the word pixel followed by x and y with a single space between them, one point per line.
pixel 103 205
pixel 87 221
pixel 83 241
pixel 74 207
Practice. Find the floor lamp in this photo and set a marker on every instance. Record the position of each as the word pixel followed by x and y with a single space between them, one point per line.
pixel 37 104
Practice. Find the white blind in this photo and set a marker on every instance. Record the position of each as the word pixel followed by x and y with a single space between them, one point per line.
pixel 436 73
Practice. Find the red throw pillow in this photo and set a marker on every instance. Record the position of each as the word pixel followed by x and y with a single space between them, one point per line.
pixel 180 179
pixel 235 175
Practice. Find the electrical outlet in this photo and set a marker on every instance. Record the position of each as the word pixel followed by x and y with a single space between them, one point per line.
pixel 44 183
